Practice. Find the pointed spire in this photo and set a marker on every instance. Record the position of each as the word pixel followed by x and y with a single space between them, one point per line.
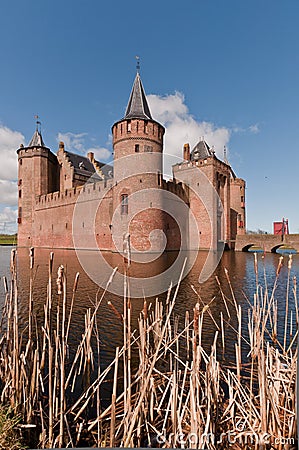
pixel 138 107
pixel 37 140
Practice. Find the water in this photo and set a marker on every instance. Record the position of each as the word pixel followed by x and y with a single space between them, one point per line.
pixel 241 272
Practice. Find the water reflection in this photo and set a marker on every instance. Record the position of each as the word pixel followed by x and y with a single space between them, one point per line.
pixel 239 265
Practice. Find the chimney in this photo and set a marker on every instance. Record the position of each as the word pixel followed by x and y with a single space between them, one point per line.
pixel 186 152
pixel 90 156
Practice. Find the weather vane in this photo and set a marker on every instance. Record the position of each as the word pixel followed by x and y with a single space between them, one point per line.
pixel 138 63
pixel 38 123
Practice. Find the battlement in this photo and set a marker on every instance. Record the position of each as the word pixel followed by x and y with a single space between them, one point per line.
pixel 70 196
pixel 202 162
pixel 29 152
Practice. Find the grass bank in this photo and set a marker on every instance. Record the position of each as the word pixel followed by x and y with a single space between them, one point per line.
pixel 8 239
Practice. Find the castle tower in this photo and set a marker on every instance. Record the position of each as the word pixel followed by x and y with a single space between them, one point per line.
pixel 138 168
pixel 137 134
pixel 37 175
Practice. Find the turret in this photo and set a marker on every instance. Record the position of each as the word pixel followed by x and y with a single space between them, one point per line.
pixel 37 175
pixel 137 134
pixel 138 172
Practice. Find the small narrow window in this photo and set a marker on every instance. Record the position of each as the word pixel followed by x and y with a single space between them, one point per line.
pixel 242 198
pixel 129 126
pixel 20 211
pixel 124 204
pixel 136 148
pixel 145 126
pixel 20 161
pixel 159 178
pixel 20 193
pixel 137 126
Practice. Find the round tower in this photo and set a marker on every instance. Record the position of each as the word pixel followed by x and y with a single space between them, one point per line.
pixel 138 208
pixel 37 167
pixel 137 136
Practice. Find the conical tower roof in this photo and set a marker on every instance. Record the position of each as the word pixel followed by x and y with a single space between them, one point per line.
pixel 37 139
pixel 201 151
pixel 138 107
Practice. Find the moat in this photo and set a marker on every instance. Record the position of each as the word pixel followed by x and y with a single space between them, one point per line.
pixel 239 265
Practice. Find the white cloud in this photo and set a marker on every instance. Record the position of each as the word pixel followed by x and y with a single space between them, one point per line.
pixel 254 128
pixel 251 129
pixel 73 141
pixel 9 143
pixel 182 127
pixel 100 153
pixel 77 142
pixel 8 220
pixel 8 192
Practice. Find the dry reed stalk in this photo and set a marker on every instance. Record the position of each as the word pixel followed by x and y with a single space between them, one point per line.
pixel 113 400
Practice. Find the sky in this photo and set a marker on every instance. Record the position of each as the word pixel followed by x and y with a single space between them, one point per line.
pixel 225 70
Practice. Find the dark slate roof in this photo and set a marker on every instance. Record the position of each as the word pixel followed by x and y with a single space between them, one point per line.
pixel 201 151
pixel 36 140
pixel 83 166
pixel 138 107
pixel 80 163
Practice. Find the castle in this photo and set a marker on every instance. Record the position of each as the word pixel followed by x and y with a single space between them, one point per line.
pixel 68 195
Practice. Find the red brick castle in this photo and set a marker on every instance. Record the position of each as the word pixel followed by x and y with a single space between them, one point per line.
pixel 201 207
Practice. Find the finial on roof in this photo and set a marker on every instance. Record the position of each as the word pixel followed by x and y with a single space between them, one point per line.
pixel 138 107
pixel 38 123
pixel 37 140
pixel 225 155
pixel 138 63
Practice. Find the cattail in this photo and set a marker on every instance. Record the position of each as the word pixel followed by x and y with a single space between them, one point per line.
pixel 279 266
pixel 31 255
pixel 59 280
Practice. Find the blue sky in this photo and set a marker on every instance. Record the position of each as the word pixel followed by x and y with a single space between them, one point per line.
pixel 227 70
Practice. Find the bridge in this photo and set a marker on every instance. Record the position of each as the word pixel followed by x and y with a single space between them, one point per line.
pixel 268 242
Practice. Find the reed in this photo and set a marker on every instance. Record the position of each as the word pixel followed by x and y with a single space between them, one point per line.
pixel 178 394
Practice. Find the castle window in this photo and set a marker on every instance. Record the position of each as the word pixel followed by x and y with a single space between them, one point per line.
pixel 20 211
pixel 129 126
pixel 137 126
pixel 242 198
pixel 20 161
pixel 20 182
pixel 124 204
pixel 121 128
pixel 137 148
pixel 20 193
pixel 146 126
pixel 148 148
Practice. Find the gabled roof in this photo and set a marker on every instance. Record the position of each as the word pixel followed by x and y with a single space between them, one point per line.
pixel 36 140
pixel 83 166
pixel 201 151
pixel 138 107
pixel 80 163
